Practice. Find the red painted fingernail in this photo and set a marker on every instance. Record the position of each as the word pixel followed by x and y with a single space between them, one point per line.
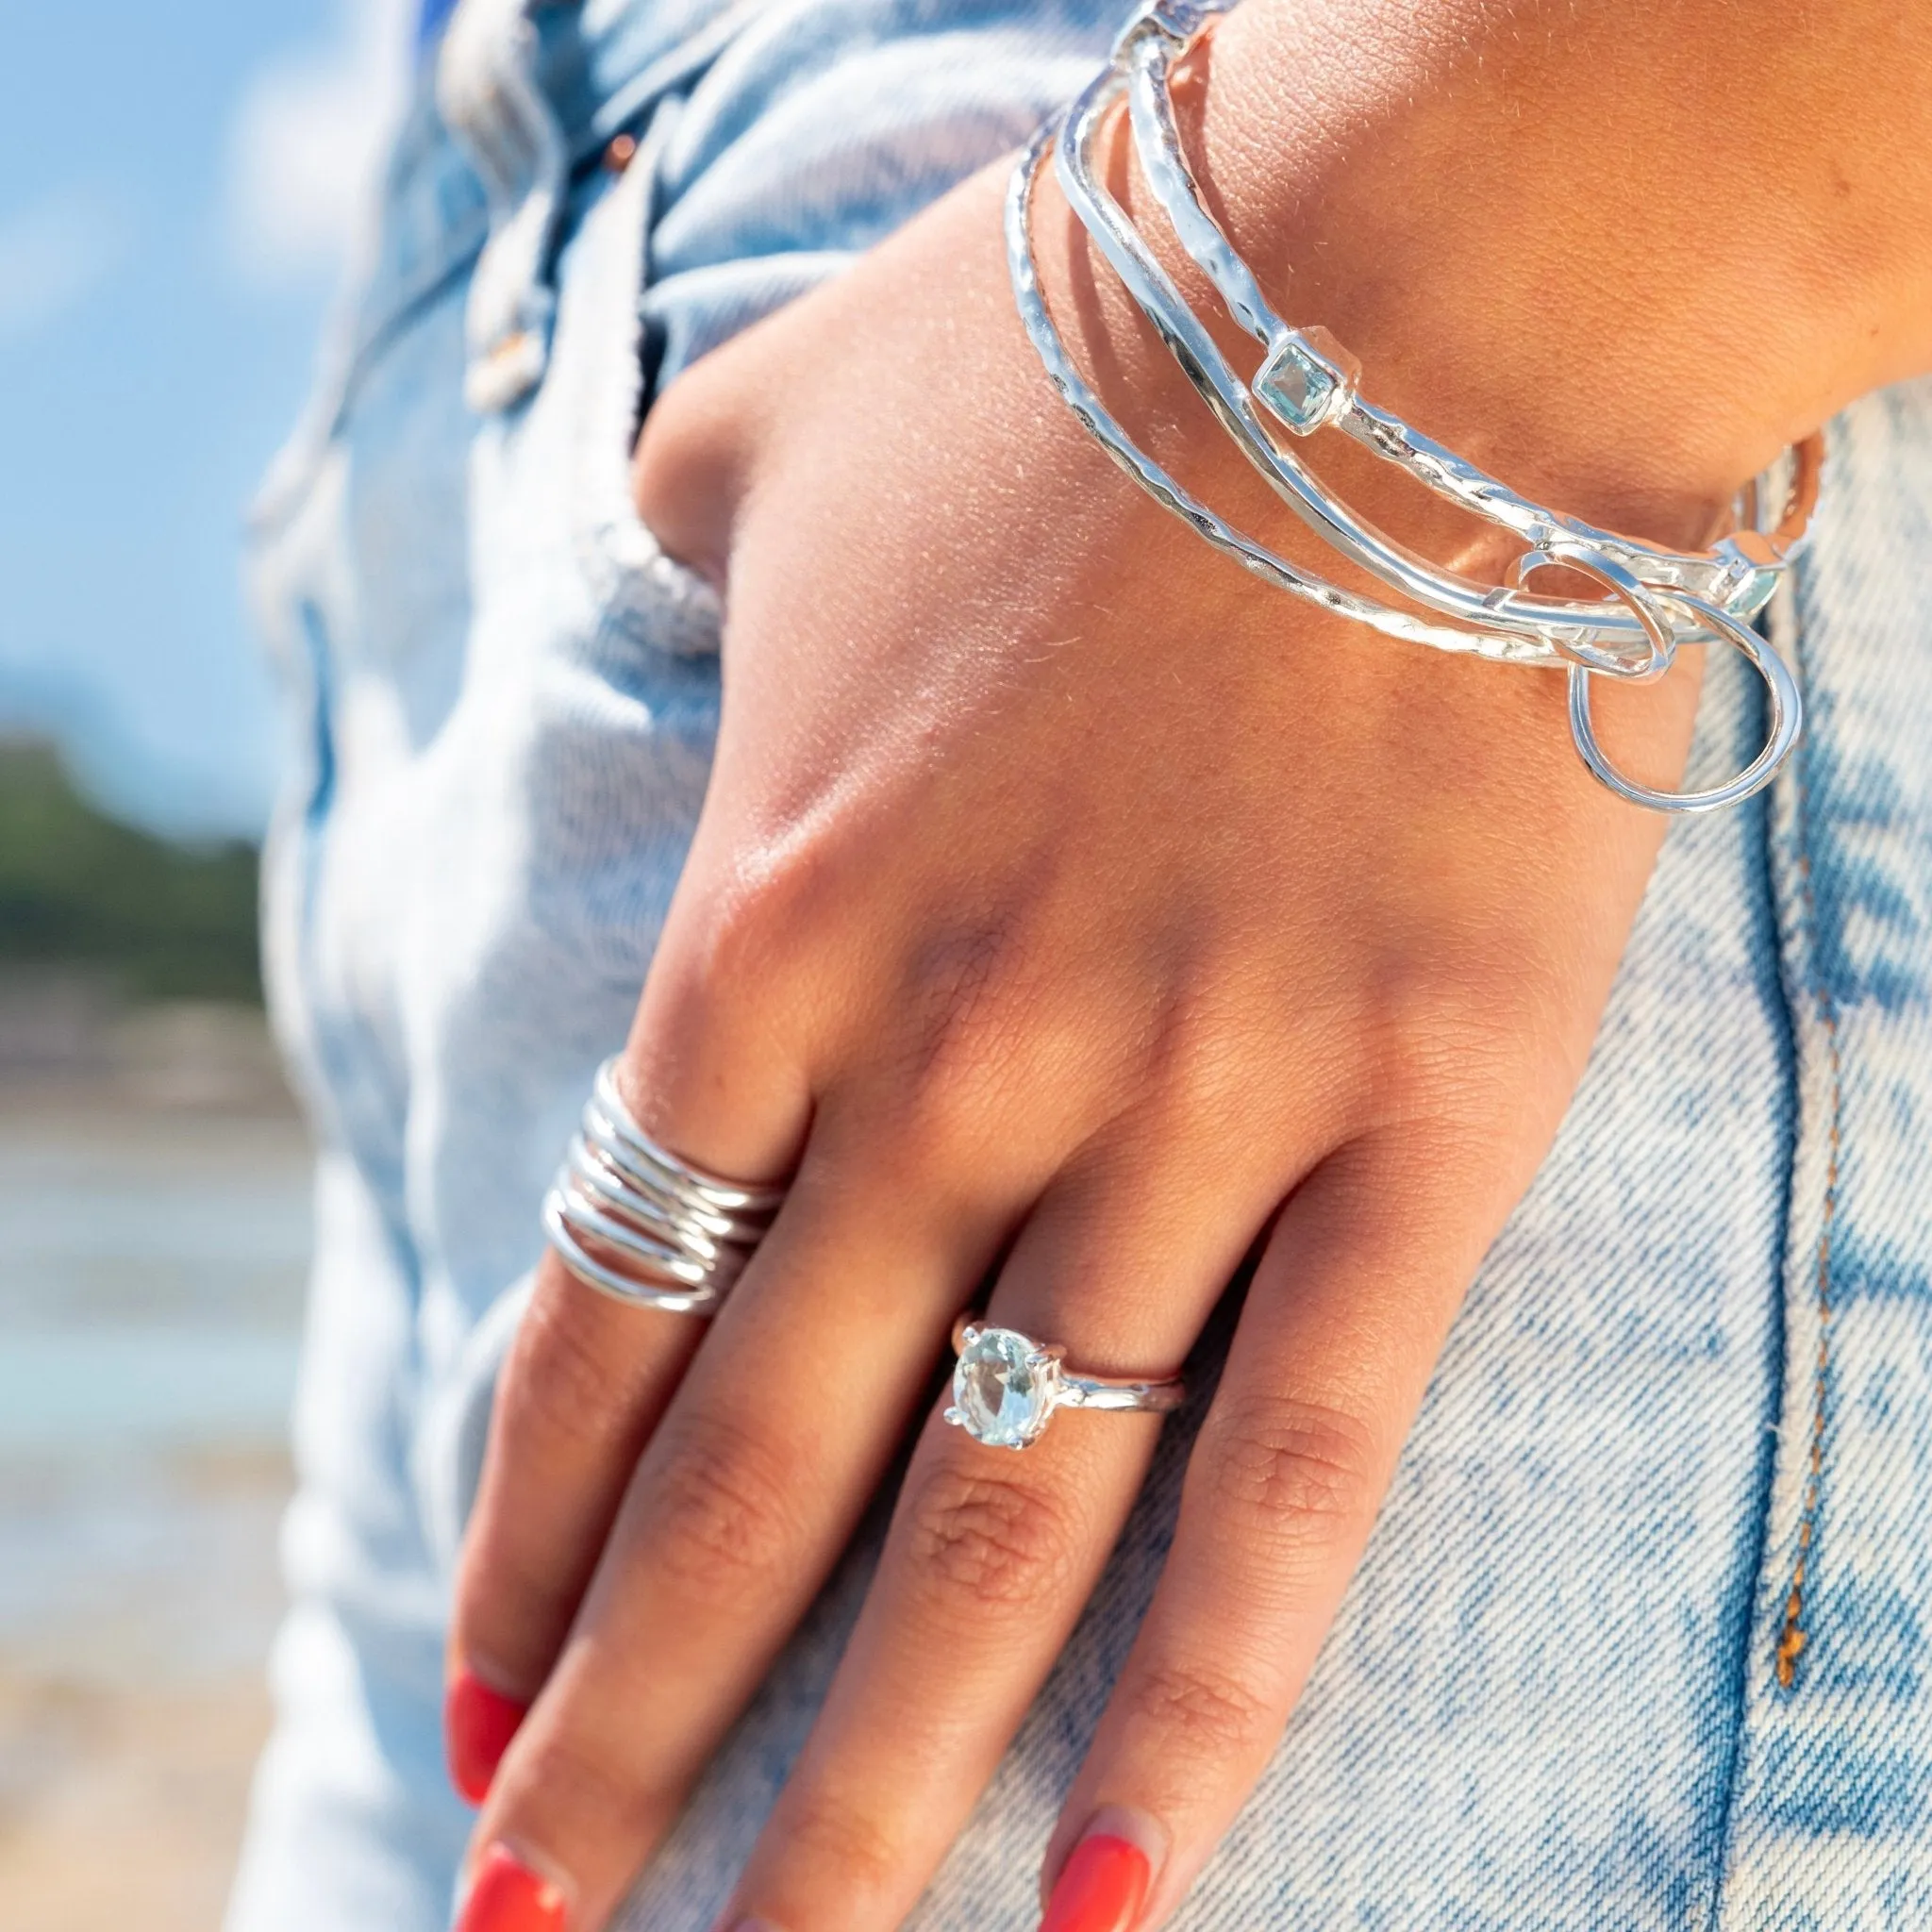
pixel 1101 1888
pixel 477 1724
pixel 509 1897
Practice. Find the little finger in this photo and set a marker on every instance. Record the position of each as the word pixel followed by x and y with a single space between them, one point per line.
pixel 1350 1302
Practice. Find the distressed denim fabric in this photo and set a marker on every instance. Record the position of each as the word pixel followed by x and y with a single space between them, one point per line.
pixel 1639 1639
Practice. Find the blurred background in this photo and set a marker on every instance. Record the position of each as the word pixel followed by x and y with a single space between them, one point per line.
pixel 180 190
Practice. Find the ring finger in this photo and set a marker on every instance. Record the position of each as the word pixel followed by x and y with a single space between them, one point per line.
pixel 992 1555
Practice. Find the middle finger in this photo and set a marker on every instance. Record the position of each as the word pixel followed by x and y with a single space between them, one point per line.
pixel 749 1489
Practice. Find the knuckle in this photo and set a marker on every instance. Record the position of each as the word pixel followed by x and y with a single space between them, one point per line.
pixel 724 1517
pixel 574 1788
pixel 757 923
pixel 1439 1044
pixel 1299 1472
pixel 562 1381
pixel 1442 1087
pixel 941 1124
pixel 740 937
pixel 1199 1712
pixel 994 1543
pixel 849 1844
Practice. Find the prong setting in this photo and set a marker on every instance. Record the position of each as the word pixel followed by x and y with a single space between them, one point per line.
pixel 1005 1387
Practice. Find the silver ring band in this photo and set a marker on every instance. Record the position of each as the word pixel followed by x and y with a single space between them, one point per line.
pixel 634 1221
pixel 1006 1386
pixel 756 1202
pixel 624 1287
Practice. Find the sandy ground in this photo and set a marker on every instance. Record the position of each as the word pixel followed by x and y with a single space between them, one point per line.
pixel 129 1732
pixel 137 1587
pixel 122 1809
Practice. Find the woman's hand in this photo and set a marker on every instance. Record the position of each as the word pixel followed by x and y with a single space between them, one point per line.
pixel 1067 911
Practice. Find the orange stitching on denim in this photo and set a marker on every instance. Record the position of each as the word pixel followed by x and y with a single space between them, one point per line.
pixel 1792 1634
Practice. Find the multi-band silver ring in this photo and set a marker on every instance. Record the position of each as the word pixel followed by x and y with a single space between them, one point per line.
pixel 633 1219
pixel 1006 1386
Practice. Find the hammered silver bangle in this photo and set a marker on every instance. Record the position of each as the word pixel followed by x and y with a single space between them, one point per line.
pixel 1657 599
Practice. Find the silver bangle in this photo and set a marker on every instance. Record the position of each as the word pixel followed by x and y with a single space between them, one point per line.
pixel 1660 599
pixel 635 1220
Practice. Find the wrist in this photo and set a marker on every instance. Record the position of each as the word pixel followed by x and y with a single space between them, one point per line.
pixel 1391 173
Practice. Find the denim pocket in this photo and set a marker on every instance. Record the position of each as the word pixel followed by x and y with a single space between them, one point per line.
pixel 554 816
pixel 598 361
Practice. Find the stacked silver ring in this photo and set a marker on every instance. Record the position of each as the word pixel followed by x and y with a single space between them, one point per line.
pixel 677 1236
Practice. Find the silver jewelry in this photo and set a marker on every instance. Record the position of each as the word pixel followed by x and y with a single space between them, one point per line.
pixel 1660 599
pixel 677 1236
pixel 1006 1386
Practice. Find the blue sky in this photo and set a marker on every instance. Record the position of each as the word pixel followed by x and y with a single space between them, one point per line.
pixel 178 189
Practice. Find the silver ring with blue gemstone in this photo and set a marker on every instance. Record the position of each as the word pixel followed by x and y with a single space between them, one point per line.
pixel 1006 1386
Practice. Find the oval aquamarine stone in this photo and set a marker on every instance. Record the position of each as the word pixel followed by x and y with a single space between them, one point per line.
pixel 1003 1389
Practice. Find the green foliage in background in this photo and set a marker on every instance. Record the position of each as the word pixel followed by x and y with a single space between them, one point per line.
pixel 166 922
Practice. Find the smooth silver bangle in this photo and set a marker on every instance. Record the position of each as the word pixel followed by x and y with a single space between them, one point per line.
pixel 1658 599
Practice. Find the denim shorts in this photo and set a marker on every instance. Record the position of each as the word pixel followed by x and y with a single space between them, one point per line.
pixel 1640 1641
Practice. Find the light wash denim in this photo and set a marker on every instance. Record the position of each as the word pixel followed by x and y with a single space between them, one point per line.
pixel 1642 1638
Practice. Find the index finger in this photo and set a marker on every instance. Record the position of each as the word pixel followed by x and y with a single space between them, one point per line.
pixel 588 1377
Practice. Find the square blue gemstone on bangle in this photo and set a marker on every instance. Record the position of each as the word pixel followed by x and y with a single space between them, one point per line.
pixel 1298 384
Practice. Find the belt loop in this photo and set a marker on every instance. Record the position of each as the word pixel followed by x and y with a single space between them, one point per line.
pixel 488 91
